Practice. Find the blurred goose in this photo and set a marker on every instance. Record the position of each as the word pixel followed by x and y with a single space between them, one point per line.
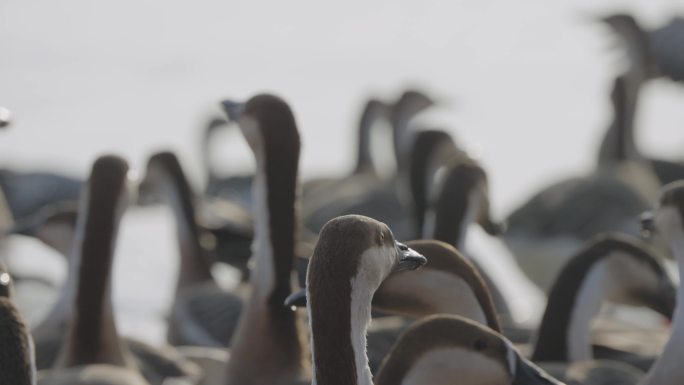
pixel 92 350
pixel 655 53
pixel 652 54
pixel 267 347
pixel 28 192
pixel 354 254
pixel 78 339
pixel 610 268
pixel 553 224
pixel 17 360
pixel 202 314
pixel 668 220
pixel 441 350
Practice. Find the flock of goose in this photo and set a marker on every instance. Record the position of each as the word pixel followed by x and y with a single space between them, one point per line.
pixel 329 295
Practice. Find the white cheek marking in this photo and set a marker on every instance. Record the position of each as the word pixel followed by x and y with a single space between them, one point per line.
pixel 374 266
pixel 443 366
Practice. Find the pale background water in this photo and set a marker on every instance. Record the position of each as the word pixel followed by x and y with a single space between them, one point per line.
pixel 526 85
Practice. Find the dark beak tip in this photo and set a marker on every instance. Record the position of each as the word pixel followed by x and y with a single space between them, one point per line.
pixel 296 299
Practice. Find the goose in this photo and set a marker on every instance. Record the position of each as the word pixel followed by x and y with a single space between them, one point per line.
pixel 267 346
pixel 352 257
pixel 92 349
pixel 80 329
pixel 17 360
pixel 198 314
pixel 656 53
pixel 444 349
pixel 553 224
pixel 652 55
pixel 668 220
pixel 610 267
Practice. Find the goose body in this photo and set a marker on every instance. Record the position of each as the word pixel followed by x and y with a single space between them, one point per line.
pixel 555 222
pixel 27 192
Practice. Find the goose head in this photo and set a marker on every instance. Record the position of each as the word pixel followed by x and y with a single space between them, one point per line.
pixel 439 349
pixel 354 254
pixel 358 247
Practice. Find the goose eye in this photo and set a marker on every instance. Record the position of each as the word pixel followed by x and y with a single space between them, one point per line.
pixel 479 344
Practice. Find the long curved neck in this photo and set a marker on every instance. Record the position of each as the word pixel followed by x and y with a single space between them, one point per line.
pixel 364 159
pixel 339 324
pixel 564 334
pixel 92 336
pixel 618 144
pixel 193 267
pixel 280 351
pixel 668 369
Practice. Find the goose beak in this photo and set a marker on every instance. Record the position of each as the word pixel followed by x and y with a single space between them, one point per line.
pixel 296 299
pixel 408 259
pixel 647 222
pixel 527 373
pixel 233 109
